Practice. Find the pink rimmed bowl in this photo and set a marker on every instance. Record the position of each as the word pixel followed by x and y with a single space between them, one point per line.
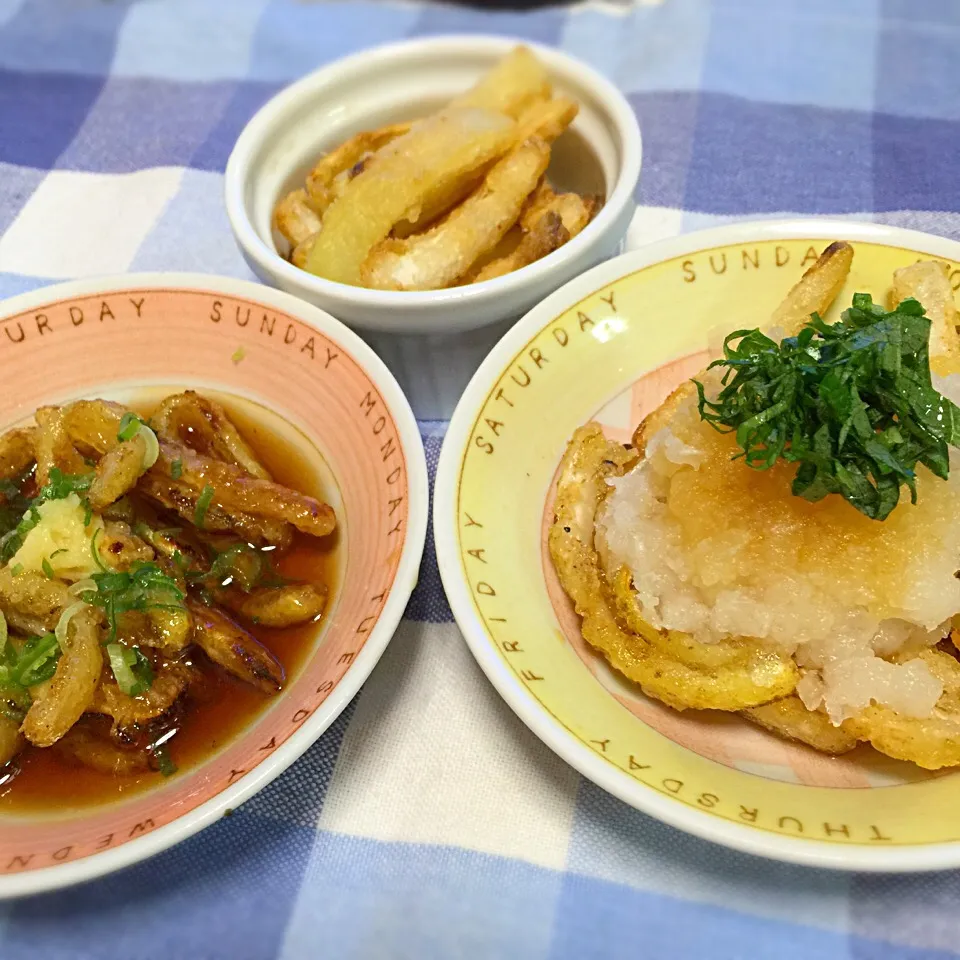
pixel 291 369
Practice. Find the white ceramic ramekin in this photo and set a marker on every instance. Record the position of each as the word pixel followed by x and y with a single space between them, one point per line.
pixel 432 340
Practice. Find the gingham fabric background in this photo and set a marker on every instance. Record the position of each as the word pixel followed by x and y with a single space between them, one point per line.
pixel 428 822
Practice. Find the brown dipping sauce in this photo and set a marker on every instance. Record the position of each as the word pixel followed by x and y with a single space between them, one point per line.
pixel 221 706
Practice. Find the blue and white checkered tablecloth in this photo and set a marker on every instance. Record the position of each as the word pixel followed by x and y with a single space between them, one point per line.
pixel 428 823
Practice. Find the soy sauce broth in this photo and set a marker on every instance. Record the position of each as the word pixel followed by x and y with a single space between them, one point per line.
pixel 41 780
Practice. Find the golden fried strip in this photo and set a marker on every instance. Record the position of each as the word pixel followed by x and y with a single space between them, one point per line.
pixel 322 180
pixel 117 472
pixel 168 684
pixel 548 234
pixel 233 489
pixel 929 282
pixel 790 719
pixel 815 290
pixel 547 119
pixel 589 459
pixel 53 447
pixel 284 606
pixel 294 218
pixel 238 652
pixel 203 425
pixel 90 750
pixel 10 739
pixel 182 498
pixel 406 175
pixel 119 549
pixel 31 600
pixel 73 684
pixel 516 81
pixel 550 220
pixel 16 452
pixel 93 424
pixel 435 259
pixel 301 252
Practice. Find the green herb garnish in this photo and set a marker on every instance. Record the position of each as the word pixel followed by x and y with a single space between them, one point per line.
pixel 176 469
pixel 130 425
pixel 48 569
pixel 851 403
pixel 17 569
pixel 60 485
pixel 165 765
pixel 203 504
pixel 144 587
pixel 131 669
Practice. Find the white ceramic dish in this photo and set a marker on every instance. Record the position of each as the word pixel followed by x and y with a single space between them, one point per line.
pixel 590 351
pixel 298 373
pixel 421 334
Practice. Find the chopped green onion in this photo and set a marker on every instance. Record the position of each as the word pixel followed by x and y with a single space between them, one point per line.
pixel 95 552
pixel 48 569
pixel 56 553
pixel 130 425
pixel 87 514
pixel 37 661
pixel 4 635
pixel 17 569
pixel 152 452
pixel 203 504
pixel 165 765
pixel 61 629
pixel 131 669
pixel 176 469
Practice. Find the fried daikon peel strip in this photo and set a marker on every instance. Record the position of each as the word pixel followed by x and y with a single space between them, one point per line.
pixel 73 684
pixel 815 290
pixel 930 742
pixel 790 719
pixel 168 684
pixel 119 549
pixel 231 489
pixel 549 222
pixel 294 218
pixel 10 739
pixel 93 424
pixel 324 181
pixel 117 472
pixel 405 176
pixel 514 83
pixel 17 452
pixel 928 281
pixel 53 446
pixel 96 753
pixel 547 235
pixel 284 606
pixel 31 600
pixel 203 425
pixel 301 252
pixel 437 258
pixel 238 652
pixel 166 630
pixel 589 460
pixel 547 119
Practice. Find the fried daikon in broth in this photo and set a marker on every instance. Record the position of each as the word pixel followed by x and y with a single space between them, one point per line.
pixel 159 578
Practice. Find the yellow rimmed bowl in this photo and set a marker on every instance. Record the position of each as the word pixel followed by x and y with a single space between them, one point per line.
pixel 610 346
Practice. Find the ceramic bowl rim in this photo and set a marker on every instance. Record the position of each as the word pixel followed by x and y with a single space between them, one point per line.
pixel 741 837
pixel 408 433
pixel 272 114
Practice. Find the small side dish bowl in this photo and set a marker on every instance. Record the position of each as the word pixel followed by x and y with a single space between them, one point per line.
pixel 297 382
pixel 432 340
pixel 590 353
